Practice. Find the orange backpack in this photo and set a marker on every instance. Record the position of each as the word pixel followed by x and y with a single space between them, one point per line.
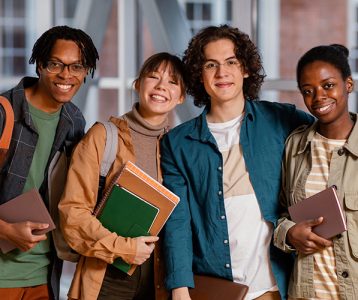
pixel 5 138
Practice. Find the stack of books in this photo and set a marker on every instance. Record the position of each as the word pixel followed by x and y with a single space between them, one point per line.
pixel 135 205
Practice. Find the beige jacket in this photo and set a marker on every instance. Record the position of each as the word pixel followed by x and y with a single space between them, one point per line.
pixel 83 232
pixel 343 174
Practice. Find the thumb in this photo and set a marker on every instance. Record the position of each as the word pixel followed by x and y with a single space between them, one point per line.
pixel 150 239
pixel 35 226
pixel 315 222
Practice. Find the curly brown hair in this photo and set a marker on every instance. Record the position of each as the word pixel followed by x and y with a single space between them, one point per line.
pixel 245 50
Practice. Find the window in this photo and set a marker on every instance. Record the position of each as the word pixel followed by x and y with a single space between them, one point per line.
pixel 13 37
pixel 203 13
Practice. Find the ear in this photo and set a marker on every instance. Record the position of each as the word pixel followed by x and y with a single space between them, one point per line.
pixel 137 85
pixel 181 99
pixel 350 84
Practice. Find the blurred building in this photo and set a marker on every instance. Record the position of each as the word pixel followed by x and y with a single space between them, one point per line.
pixel 127 31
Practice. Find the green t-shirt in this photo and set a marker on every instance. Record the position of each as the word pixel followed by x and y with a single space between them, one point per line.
pixel 17 268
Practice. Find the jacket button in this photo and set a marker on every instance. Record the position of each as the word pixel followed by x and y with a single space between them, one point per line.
pixel 226 241
pixel 220 193
pixel 341 152
pixel 158 286
pixel 220 168
pixel 339 236
pixel 227 266
pixel 345 274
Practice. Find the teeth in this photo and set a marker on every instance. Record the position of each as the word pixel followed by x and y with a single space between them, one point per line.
pixel 64 86
pixel 324 108
pixel 158 97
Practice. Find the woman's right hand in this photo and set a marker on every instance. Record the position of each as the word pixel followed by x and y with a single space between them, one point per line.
pixel 301 237
pixel 145 247
pixel 181 294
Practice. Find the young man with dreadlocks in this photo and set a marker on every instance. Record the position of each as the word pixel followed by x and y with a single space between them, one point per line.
pixel 46 122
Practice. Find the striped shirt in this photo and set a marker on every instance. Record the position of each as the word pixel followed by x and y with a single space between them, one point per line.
pixel 324 275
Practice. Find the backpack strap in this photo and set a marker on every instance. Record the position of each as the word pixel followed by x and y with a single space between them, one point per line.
pixel 110 150
pixel 109 155
pixel 9 123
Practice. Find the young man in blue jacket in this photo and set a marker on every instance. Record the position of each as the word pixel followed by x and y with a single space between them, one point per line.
pixel 46 122
pixel 225 165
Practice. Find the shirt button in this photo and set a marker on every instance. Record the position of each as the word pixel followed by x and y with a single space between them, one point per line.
pixel 220 193
pixel 222 217
pixel 227 266
pixel 226 241
pixel 345 274
pixel 341 152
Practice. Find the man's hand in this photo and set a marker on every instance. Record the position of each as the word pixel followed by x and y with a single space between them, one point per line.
pixel 181 294
pixel 21 234
pixel 304 240
pixel 145 247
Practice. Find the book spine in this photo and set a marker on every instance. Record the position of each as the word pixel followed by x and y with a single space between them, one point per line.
pixel 100 204
pixel 152 182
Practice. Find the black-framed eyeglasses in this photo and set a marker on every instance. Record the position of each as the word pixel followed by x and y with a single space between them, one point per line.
pixel 56 67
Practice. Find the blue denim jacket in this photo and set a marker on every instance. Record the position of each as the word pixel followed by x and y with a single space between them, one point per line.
pixel 193 169
pixel 13 174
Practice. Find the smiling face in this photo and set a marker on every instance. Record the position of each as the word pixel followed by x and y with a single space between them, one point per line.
pixel 325 93
pixel 53 90
pixel 159 92
pixel 224 83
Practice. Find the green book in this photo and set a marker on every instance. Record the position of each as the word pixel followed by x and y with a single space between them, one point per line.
pixel 127 215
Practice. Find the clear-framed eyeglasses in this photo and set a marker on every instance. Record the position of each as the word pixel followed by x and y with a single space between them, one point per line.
pixel 212 66
pixel 56 67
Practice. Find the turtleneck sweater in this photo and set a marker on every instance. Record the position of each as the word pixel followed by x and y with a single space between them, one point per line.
pixel 145 140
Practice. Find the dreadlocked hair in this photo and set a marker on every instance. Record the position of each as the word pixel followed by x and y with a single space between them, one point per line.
pixel 43 46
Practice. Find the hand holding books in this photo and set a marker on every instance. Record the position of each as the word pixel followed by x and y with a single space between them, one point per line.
pixel 145 247
pixel 28 220
pixel 318 218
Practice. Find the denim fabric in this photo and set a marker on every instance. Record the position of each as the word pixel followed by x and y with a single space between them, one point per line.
pixel 193 169
pixel 13 175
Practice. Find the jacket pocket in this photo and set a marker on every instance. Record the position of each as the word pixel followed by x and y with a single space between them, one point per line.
pixel 351 203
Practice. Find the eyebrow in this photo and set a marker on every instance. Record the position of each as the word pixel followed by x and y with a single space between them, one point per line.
pixel 212 59
pixel 54 58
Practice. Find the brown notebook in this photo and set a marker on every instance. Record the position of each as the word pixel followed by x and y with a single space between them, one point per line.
pixel 323 204
pixel 26 207
pixel 212 288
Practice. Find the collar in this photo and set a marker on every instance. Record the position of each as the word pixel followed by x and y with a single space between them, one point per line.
pixel 200 127
pixel 201 130
pixel 351 145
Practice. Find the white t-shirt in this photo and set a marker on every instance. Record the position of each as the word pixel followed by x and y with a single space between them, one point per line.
pixel 249 233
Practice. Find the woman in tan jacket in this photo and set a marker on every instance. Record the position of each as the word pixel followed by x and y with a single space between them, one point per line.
pixel 160 86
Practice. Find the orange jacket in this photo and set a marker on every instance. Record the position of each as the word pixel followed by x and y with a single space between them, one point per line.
pixel 83 231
